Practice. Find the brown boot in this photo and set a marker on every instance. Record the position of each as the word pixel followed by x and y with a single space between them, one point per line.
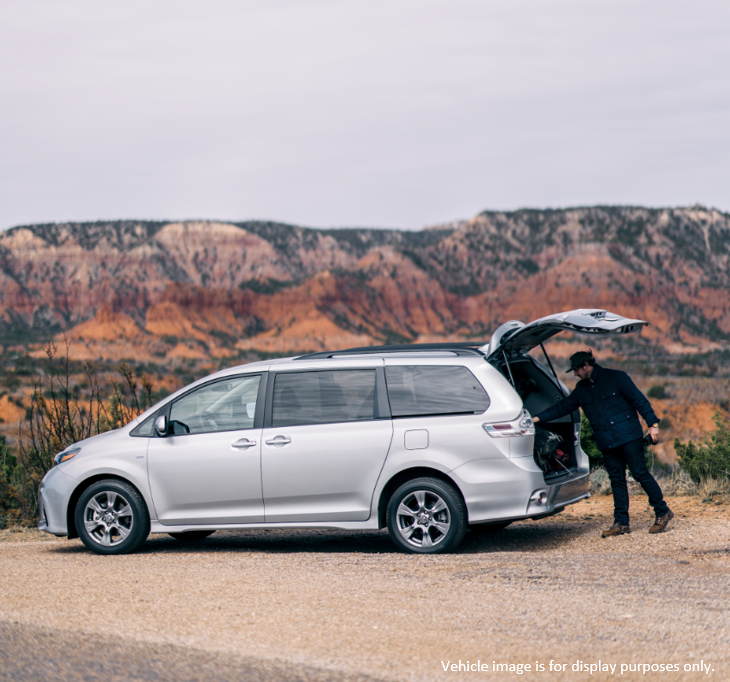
pixel 661 522
pixel 616 529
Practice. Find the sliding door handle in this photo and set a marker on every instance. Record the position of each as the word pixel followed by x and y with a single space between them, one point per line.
pixel 279 440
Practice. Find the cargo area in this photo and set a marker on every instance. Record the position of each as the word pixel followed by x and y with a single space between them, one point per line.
pixel 539 391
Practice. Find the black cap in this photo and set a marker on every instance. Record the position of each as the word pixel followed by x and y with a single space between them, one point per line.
pixel 579 358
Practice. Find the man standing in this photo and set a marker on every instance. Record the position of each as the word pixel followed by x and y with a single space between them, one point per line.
pixel 610 401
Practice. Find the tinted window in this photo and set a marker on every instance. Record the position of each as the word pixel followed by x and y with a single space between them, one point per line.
pixel 323 397
pixel 226 405
pixel 419 391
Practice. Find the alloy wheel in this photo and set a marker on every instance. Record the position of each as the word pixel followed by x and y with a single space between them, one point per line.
pixel 108 518
pixel 423 519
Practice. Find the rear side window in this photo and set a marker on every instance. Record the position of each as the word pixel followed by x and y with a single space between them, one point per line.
pixel 418 391
pixel 323 397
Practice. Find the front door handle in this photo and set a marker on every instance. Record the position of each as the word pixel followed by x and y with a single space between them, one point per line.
pixel 243 443
pixel 279 440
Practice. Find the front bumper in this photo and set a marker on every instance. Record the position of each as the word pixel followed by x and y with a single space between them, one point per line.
pixel 54 494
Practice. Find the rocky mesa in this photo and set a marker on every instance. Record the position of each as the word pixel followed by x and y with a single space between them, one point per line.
pixel 136 289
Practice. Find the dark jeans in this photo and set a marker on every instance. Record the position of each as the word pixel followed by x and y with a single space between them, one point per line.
pixel 632 455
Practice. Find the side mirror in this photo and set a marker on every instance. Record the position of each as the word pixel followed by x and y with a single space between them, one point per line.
pixel 161 425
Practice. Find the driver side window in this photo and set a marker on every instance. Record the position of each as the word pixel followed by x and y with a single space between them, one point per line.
pixel 226 405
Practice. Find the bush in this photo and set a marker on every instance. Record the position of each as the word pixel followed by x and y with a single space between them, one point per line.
pixel 10 502
pixel 63 411
pixel 710 456
pixel 600 484
pixel 658 391
pixel 588 444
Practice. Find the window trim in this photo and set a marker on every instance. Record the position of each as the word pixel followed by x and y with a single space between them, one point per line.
pixel 382 406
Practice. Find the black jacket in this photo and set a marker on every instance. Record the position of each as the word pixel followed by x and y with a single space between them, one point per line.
pixel 610 400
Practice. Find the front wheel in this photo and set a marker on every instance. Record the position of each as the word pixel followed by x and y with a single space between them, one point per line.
pixel 112 518
pixel 427 516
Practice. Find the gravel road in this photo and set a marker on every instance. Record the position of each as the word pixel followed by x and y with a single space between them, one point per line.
pixel 321 605
pixel 31 654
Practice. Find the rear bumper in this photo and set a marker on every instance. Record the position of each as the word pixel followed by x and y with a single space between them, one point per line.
pixel 508 490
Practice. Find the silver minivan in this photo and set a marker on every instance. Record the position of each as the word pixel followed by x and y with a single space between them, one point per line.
pixel 428 440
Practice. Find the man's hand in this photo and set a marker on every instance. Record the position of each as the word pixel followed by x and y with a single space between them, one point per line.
pixel 535 420
pixel 654 434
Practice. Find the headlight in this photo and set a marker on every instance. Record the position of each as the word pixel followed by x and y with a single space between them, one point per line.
pixel 65 455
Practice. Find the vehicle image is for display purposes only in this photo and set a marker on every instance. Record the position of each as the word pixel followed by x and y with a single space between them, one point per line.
pixel 427 440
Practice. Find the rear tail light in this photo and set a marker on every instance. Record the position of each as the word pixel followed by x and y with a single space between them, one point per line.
pixel 522 426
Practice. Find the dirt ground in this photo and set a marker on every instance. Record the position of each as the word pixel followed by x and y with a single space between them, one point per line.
pixel 331 603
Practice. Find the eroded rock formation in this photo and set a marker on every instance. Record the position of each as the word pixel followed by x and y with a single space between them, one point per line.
pixel 144 288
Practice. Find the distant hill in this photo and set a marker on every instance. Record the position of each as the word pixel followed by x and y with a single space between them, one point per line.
pixel 196 289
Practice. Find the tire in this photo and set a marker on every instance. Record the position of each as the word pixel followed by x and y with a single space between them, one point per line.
pixel 427 516
pixel 192 535
pixel 112 518
pixel 488 528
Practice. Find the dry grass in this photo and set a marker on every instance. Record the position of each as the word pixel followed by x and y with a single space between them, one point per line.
pixel 676 483
pixel 710 488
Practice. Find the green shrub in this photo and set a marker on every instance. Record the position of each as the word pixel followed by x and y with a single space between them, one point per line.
pixel 658 391
pixel 588 444
pixel 710 456
pixel 10 501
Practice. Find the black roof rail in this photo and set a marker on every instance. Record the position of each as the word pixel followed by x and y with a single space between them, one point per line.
pixel 458 347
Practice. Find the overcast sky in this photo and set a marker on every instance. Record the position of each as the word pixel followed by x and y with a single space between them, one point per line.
pixel 382 113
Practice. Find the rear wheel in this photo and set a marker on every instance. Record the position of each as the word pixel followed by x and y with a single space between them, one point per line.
pixel 485 528
pixel 112 518
pixel 426 516
pixel 192 535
